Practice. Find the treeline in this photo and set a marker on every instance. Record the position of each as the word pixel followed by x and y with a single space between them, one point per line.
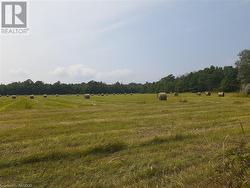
pixel 227 79
pixel 209 79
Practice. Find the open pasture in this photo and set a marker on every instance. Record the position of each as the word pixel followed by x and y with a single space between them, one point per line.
pixel 118 140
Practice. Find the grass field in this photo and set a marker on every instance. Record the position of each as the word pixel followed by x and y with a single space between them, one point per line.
pixel 120 141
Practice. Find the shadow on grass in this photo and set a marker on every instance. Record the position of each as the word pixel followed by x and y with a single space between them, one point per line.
pixel 100 151
pixel 161 140
pixel 238 102
pixel 107 149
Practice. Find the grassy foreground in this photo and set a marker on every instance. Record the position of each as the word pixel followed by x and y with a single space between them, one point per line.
pixel 122 140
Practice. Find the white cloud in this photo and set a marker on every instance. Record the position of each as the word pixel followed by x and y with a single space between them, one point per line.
pixel 78 72
pixel 73 71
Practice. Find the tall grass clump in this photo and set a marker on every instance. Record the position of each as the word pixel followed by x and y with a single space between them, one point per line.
pixel 233 165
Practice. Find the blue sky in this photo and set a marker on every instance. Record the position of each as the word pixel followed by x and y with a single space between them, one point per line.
pixel 126 41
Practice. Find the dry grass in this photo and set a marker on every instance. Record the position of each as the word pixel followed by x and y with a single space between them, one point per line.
pixel 123 141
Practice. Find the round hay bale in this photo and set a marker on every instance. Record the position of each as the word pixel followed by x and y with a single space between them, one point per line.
pixel 208 93
pixel 162 96
pixel 87 96
pixel 32 97
pixel 247 89
pixel 176 94
pixel 57 95
pixel 45 96
pixel 13 96
pixel 221 94
pixel 102 94
pixel 199 93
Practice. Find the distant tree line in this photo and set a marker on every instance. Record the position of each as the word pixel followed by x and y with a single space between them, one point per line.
pixel 209 79
pixel 228 79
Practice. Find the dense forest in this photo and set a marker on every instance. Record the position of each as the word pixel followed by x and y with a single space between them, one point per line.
pixel 228 79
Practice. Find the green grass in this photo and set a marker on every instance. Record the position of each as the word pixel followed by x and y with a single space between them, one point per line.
pixel 120 140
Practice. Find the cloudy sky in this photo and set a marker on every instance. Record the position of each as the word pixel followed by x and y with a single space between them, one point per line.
pixel 124 40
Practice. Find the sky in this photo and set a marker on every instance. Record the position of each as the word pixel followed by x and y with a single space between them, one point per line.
pixel 124 40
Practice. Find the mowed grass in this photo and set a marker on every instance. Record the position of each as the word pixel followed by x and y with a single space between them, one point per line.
pixel 118 140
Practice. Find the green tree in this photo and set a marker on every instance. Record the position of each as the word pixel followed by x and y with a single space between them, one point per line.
pixel 229 82
pixel 243 65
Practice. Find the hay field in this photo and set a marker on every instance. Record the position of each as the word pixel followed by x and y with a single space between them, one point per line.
pixel 118 140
